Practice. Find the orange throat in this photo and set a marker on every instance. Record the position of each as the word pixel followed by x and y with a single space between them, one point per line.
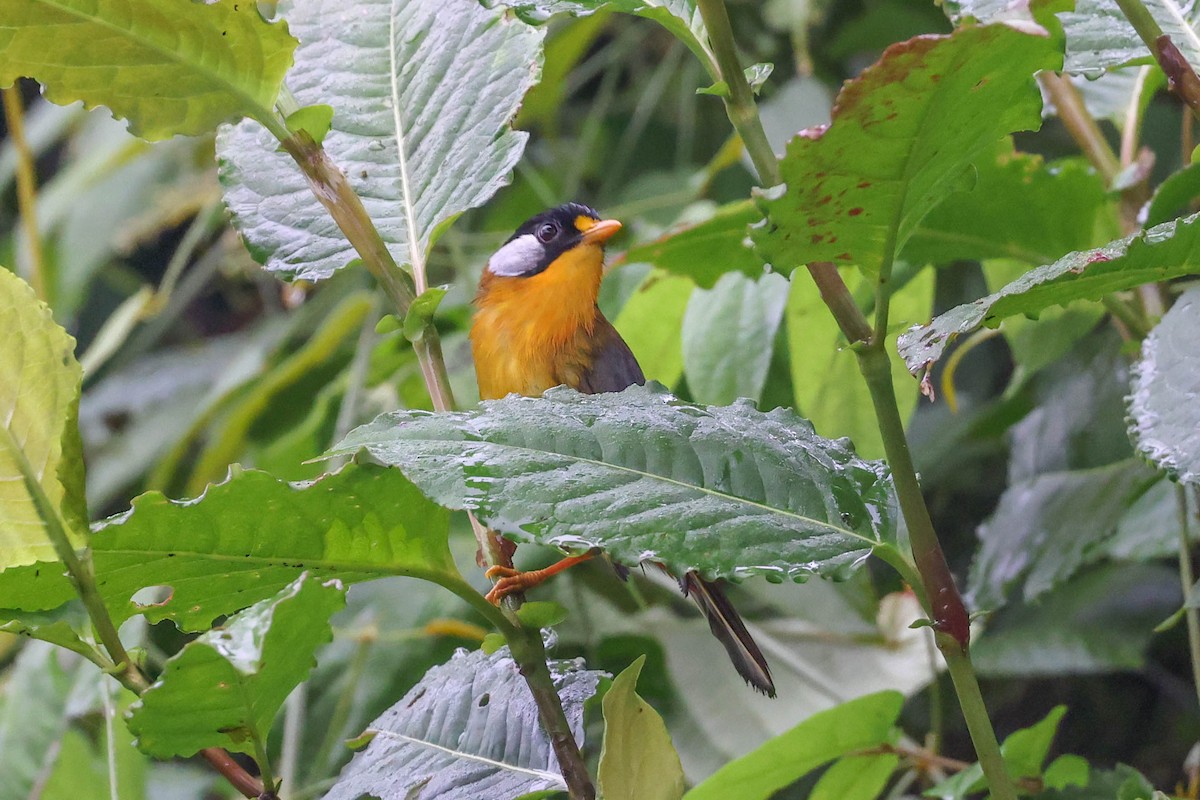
pixel 532 333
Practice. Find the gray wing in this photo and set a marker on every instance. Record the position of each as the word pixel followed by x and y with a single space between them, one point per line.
pixel 613 366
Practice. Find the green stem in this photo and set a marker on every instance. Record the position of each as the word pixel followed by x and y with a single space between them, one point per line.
pixel 1187 578
pixel 950 620
pixel 739 104
pixel 334 192
pixel 530 654
pixel 264 770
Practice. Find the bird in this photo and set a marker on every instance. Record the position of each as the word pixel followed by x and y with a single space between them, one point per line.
pixel 536 326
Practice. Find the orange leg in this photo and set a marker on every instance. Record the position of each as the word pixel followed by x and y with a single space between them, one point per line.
pixel 512 580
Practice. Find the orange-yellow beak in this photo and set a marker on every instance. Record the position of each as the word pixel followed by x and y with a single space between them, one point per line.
pixel 601 232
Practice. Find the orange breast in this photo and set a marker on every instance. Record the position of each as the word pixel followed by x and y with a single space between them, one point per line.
pixel 533 333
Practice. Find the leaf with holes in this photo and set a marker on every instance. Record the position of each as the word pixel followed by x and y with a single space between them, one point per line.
pixel 729 491
pixel 468 729
pixel 1161 253
pixel 1164 408
pixel 168 67
pixel 40 450
pixel 224 688
pixel 425 91
pixel 903 136
pixel 245 539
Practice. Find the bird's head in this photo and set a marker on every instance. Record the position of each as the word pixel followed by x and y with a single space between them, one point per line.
pixel 569 236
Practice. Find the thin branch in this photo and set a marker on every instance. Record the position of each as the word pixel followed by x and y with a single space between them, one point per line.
pixel 942 599
pixel 14 115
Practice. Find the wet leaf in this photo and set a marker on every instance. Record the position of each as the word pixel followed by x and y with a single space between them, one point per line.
pixel 224 688
pixel 1164 407
pixel 730 491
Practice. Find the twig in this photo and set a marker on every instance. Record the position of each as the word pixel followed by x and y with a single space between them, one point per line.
pixel 14 115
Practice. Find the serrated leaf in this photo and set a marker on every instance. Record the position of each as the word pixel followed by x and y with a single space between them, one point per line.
pixel 224 688
pixel 902 135
pixel 39 404
pixel 1044 528
pixel 425 91
pixel 249 537
pixel 729 335
pixel 728 491
pixel 680 17
pixel 1034 212
pixel 1164 407
pixel 1099 37
pixel 637 761
pixel 1100 621
pixel 469 729
pixel 706 250
pixel 1163 252
pixel 168 67
pixel 855 725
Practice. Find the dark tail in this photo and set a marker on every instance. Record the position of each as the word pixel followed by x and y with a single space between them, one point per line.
pixel 726 624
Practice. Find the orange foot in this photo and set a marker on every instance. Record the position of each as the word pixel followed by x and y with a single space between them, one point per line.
pixel 512 580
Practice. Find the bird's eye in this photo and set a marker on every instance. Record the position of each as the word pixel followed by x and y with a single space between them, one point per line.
pixel 547 232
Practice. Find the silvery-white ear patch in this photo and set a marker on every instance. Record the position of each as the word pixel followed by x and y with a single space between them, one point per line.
pixel 521 255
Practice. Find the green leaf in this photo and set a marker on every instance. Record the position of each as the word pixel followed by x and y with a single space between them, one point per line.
pixel 650 323
pixel 1099 37
pixel 1044 528
pixel 637 761
pixel 166 66
pixel 1020 208
pixel 314 120
pixel 729 491
pixel 64 626
pixel 705 251
pixel 33 718
pixel 426 91
pixel 828 386
pixel 39 402
pixel 1164 410
pixel 1099 621
pixel 420 313
pixel 224 688
pixel 1150 529
pixel 469 729
pixel 728 336
pixel 1066 770
pixel 541 614
pixel 902 135
pixel 856 777
pixel 1163 252
pixel 252 535
pixel 1174 195
pixel 756 76
pixel 856 725
pixel 680 17
pixel 1024 751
